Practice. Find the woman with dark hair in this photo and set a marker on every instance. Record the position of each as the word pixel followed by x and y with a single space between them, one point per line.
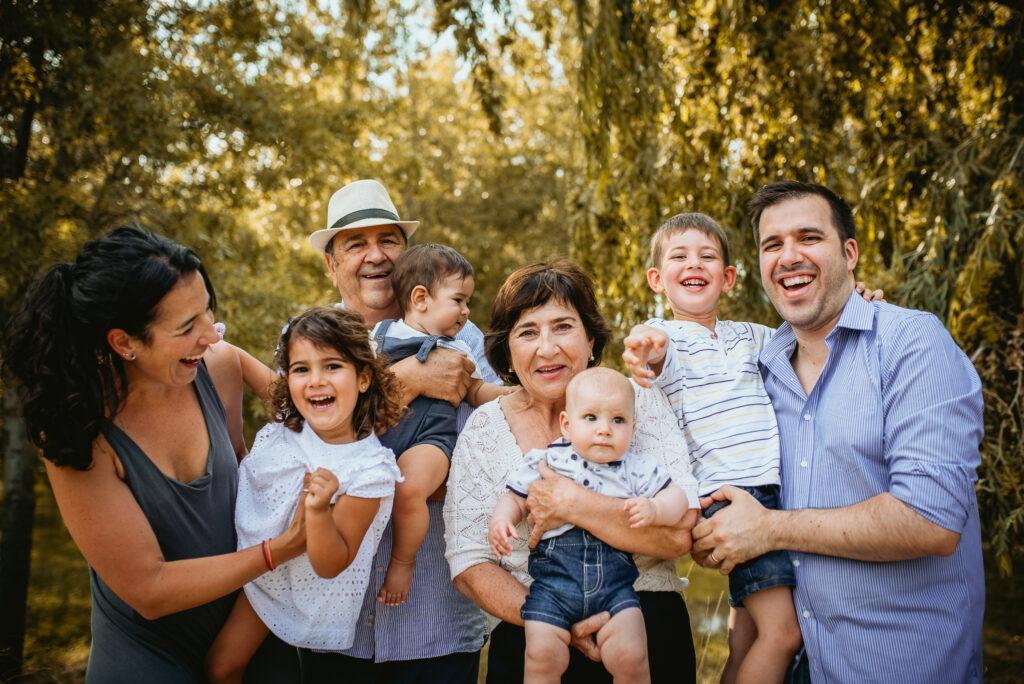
pixel 121 378
pixel 546 328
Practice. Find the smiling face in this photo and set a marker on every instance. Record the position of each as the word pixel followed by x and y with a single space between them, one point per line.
pixel 446 310
pixel 548 345
pixel 598 416
pixel 179 335
pixel 806 269
pixel 692 275
pixel 324 388
pixel 360 262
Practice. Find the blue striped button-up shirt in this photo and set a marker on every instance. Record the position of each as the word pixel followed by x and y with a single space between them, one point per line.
pixel 897 408
pixel 436 620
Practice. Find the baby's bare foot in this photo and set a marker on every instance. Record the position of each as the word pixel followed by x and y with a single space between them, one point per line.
pixel 397 582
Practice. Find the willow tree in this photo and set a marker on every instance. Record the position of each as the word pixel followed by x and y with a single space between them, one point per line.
pixel 201 120
pixel 911 110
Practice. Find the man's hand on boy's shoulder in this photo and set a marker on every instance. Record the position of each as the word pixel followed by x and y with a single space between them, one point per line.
pixel 645 353
pixel 446 375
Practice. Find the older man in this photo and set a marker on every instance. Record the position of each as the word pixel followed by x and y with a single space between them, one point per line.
pixel 880 417
pixel 437 634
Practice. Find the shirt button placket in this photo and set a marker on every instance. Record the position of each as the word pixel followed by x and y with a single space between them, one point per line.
pixel 805 449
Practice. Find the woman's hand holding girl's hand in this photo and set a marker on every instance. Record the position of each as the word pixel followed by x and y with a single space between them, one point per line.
pixel 322 486
pixel 497 535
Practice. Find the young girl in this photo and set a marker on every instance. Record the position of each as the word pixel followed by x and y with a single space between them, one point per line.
pixel 332 399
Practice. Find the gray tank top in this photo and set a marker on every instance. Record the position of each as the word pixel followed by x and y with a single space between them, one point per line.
pixel 190 520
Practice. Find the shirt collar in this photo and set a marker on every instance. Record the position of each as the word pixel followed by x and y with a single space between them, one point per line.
pixel 858 314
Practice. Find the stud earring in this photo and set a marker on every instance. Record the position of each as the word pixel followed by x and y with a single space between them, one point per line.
pixel 130 356
pixel 591 357
pixel 510 370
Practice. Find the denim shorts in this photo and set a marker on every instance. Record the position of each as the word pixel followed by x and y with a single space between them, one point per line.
pixel 576 575
pixel 773 569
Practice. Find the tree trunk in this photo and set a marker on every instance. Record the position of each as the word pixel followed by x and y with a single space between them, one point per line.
pixel 16 542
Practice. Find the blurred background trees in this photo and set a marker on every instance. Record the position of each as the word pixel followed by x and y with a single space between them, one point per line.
pixel 517 132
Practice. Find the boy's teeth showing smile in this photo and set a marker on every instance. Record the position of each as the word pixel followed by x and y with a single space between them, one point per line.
pixel 694 283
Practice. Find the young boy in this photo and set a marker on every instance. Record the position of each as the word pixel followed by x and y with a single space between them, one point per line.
pixel 433 285
pixel 568 563
pixel 708 369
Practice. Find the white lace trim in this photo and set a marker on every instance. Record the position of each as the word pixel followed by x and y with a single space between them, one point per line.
pixel 298 606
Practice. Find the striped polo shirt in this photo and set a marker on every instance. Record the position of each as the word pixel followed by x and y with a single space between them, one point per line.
pixel 714 385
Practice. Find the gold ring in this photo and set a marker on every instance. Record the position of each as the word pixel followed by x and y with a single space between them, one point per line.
pixel 305 490
pixel 714 559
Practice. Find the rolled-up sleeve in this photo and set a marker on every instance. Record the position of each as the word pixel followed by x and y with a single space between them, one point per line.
pixel 933 421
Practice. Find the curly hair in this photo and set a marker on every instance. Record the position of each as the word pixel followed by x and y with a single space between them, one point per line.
pixel 55 346
pixel 377 409
pixel 536 285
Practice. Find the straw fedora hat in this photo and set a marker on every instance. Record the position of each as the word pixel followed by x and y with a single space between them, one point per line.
pixel 360 204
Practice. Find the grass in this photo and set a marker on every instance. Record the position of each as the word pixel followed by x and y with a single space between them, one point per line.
pixel 57 640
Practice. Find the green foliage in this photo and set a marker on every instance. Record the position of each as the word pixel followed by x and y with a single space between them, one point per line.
pixel 556 127
pixel 911 110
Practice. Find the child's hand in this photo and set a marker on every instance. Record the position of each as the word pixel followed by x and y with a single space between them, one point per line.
pixel 498 533
pixel 641 511
pixel 322 486
pixel 869 295
pixel 645 346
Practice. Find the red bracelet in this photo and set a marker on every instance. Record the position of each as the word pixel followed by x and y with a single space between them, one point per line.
pixel 268 557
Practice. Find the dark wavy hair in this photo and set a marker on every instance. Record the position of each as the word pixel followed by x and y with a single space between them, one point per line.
pixel 55 345
pixel 344 331
pixel 536 285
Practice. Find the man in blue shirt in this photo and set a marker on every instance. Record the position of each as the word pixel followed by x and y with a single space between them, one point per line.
pixel 880 418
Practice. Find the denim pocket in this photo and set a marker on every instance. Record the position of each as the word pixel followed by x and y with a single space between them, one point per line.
pixel 626 558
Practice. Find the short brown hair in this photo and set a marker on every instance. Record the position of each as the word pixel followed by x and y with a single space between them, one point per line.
pixel 680 223
pixel 776 193
pixel 426 265
pixel 536 285
pixel 344 331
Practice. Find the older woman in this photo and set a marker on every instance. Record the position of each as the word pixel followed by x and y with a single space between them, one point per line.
pixel 545 328
pixel 125 387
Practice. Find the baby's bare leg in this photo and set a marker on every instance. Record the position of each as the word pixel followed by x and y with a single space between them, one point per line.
pixel 547 652
pixel 623 644
pixel 235 645
pixel 742 633
pixel 778 636
pixel 424 468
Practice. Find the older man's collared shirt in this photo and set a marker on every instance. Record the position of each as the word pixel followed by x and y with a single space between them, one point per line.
pixel 898 409
pixel 436 620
